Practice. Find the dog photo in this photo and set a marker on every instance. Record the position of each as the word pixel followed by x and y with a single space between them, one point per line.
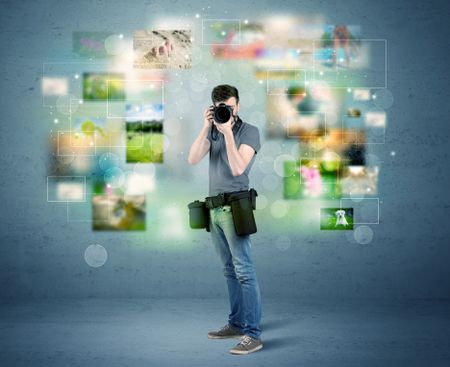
pixel 336 219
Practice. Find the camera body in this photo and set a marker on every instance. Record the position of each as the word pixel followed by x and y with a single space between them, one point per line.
pixel 222 113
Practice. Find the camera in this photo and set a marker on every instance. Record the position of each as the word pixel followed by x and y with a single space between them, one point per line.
pixel 222 113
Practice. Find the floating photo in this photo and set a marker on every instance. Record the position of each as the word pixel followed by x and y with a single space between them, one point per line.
pixel 282 81
pixel 145 138
pixel 339 45
pixel 289 42
pixel 348 145
pixel 354 155
pixel 278 58
pixel 300 111
pixel 353 112
pixel 66 188
pixel 66 159
pixel 118 212
pixel 88 132
pixel 361 94
pixel 302 35
pixel 375 119
pixel 70 191
pixel 139 183
pixel 345 60
pixel 90 44
pixel 337 219
pixel 103 86
pixel 162 49
pixel 231 42
pixel 274 76
pixel 311 179
pixel 359 181
pixel 53 86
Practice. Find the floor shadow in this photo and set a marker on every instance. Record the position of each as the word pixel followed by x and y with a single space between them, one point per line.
pixel 280 342
pixel 275 324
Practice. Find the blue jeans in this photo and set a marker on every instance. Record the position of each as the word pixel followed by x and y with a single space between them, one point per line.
pixel 243 288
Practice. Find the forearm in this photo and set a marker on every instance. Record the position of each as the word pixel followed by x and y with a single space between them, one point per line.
pixel 235 160
pixel 198 146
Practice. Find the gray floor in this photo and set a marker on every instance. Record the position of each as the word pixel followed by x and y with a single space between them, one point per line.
pixel 172 332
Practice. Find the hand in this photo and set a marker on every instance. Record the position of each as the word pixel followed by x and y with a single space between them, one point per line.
pixel 226 127
pixel 208 117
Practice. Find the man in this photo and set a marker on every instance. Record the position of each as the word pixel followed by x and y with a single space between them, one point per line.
pixel 232 147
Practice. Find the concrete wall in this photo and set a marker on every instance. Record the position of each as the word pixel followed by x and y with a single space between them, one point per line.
pixel 41 254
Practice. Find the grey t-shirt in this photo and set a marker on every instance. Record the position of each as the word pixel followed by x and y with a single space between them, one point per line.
pixel 220 177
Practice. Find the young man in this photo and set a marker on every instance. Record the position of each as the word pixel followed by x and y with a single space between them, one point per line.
pixel 232 147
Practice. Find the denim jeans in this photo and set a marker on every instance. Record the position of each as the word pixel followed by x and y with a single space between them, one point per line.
pixel 243 288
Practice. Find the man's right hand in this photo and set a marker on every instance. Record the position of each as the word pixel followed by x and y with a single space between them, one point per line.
pixel 208 117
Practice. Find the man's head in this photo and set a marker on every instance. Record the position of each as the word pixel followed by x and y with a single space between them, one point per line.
pixel 226 94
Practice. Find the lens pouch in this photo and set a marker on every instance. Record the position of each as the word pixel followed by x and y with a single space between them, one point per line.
pixel 198 215
pixel 242 210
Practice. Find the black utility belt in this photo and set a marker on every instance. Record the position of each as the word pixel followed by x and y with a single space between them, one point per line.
pixel 226 198
pixel 242 205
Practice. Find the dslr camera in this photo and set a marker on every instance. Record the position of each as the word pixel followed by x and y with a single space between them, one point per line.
pixel 221 113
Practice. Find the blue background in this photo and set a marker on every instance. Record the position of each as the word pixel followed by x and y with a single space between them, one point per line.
pixel 41 255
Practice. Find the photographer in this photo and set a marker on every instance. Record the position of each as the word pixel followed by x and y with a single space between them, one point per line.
pixel 232 146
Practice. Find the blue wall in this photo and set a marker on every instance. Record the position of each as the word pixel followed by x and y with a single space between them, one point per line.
pixel 41 254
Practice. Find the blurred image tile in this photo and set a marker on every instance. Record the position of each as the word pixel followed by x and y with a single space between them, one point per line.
pixel 103 86
pixel 162 49
pixel 145 139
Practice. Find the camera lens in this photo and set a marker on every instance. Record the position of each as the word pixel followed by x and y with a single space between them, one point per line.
pixel 222 114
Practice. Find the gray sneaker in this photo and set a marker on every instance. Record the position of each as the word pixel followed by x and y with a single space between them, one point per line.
pixel 247 345
pixel 225 332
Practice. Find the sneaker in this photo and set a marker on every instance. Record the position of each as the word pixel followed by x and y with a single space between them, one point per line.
pixel 247 345
pixel 225 332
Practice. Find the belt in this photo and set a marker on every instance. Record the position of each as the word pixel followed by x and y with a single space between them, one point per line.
pixel 221 199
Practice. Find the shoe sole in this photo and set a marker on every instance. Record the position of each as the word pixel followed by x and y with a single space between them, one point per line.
pixel 224 337
pixel 246 351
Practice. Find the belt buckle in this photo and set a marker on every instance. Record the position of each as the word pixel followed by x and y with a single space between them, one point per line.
pixel 218 200
pixel 209 203
pixel 221 199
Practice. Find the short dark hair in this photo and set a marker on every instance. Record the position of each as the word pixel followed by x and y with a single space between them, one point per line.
pixel 223 92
